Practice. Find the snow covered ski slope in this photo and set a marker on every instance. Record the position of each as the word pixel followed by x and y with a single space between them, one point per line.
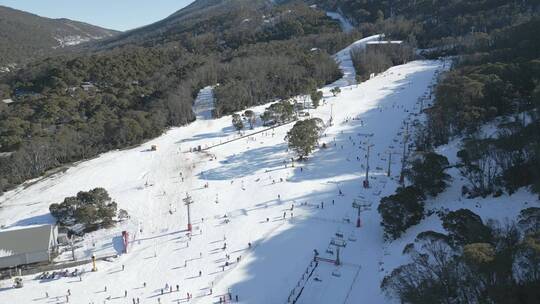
pixel 257 218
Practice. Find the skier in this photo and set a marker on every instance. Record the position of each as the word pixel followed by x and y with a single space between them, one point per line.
pixel 236 298
pixel 144 284
pixel 200 273
pixel 267 220
pixel 249 245
pixel 177 287
pixel 284 213
pixel 69 292
pixel 123 267
pixel 322 205
pixel 125 293
pixel 224 246
pixel 105 290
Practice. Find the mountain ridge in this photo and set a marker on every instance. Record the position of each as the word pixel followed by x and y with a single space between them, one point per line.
pixel 25 36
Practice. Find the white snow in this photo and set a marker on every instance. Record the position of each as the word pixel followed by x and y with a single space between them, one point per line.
pixel 252 183
pixel 204 103
pixel 346 25
pixel 5 253
pixel 343 57
pixel 71 40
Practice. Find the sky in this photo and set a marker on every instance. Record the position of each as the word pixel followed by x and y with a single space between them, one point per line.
pixel 119 15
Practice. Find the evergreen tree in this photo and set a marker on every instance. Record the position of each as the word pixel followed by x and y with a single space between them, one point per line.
pixel 401 210
pixel 427 173
pixel 304 136
pixel 237 122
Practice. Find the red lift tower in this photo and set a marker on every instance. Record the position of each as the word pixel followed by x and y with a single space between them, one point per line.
pixel 361 206
pixel 188 201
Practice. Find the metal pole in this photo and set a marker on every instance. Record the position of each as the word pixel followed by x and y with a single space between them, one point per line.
pixel 331 114
pixel 189 217
pixel 405 139
pixel 72 250
pixel 366 181
pixel 367 164
pixel 389 163
pixel 358 222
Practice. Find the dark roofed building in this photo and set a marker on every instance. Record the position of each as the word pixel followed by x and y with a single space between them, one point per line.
pixel 27 246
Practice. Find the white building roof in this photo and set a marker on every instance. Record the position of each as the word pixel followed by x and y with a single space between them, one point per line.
pixel 385 42
pixel 25 240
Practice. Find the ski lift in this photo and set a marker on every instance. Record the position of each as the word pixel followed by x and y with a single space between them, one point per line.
pixel 339 242
pixel 330 250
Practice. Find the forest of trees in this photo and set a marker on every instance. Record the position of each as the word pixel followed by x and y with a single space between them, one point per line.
pixel 369 61
pixel 498 86
pixel 473 262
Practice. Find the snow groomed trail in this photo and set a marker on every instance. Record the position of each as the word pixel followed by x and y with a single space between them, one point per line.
pixel 244 192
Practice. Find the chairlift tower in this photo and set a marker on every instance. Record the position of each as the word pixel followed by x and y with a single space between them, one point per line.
pixel 404 156
pixel 366 181
pixel 188 201
pixel 388 171
pixel 339 243
pixel 361 207
pixel 368 150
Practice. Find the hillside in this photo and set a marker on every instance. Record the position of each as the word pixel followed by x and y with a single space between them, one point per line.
pixel 24 36
pixel 249 181
pixel 404 168
pixel 146 80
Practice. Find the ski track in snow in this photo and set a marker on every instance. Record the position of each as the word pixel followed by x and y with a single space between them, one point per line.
pixel 244 181
pixel 346 25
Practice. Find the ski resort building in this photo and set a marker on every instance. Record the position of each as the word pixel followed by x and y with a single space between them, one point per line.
pixel 27 246
pixel 384 44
